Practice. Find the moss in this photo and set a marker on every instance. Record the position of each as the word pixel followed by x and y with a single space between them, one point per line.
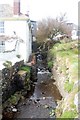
pixel 50 64
pixel 25 68
pixel 13 100
pixel 69 114
pixel 66 48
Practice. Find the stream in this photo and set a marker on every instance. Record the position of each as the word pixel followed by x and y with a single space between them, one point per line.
pixel 41 102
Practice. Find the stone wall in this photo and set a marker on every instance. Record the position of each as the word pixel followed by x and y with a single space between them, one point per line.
pixel 65 73
pixel 8 77
pixel 60 80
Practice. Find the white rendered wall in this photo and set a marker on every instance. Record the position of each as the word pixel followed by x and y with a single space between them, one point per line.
pixel 22 30
pixel 74 34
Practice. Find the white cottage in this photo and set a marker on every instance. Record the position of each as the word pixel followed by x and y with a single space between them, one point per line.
pixel 74 32
pixel 15 35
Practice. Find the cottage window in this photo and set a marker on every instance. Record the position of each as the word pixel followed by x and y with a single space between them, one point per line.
pixel 1 27
pixel 2 46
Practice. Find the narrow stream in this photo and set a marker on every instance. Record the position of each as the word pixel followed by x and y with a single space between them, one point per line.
pixel 42 101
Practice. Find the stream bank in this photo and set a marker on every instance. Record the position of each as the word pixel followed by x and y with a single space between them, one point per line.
pixel 37 102
pixel 64 59
pixel 42 103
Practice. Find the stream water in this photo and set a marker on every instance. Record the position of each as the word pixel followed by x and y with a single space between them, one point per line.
pixel 42 100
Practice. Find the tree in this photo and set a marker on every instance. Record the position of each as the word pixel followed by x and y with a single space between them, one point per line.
pixel 49 28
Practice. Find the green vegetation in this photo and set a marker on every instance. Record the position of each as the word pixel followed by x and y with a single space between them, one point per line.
pixel 65 58
pixel 65 48
pixel 27 80
pixel 68 86
pixel 13 100
pixel 25 68
pixel 69 114
pixel 7 64
pixel 50 64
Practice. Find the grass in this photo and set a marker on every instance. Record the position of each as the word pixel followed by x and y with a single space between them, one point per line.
pixel 68 86
pixel 13 100
pixel 66 48
pixel 69 114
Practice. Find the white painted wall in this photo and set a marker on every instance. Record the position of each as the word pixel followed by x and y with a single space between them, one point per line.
pixel 22 31
pixel 74 34
pixel 10 45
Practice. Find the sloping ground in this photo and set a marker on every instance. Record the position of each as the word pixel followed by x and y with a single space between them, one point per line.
pixel 65 72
